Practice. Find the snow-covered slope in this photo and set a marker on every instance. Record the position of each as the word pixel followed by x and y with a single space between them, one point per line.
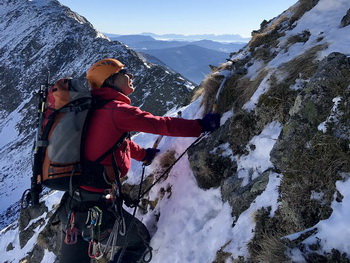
pixel 42 36
pixel 272 184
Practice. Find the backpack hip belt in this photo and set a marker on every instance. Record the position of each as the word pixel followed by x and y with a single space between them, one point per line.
pixel 82 195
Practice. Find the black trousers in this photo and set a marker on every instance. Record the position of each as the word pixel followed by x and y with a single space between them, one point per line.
pixel 137 234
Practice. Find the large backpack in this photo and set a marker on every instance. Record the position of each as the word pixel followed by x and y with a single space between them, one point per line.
pixel 68 103
pixel 66 116
pixel 63 115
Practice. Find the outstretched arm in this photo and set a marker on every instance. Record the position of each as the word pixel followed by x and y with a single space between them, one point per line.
pixel 129 118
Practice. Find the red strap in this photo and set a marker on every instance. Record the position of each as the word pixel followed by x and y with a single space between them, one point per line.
pixel 92 189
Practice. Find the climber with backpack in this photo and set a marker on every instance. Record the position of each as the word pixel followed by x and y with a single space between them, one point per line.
pixel 98 124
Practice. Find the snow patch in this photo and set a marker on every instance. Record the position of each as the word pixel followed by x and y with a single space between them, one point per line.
pixel 263 87
pixel 243 230
pixel 333 117
pixel 257 161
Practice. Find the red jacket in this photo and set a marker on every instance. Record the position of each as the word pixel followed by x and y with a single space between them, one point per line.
pixel 117 117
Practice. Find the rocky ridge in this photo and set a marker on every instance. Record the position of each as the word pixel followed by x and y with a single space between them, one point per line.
pixel 288 88
pixel 305 90
pixel 40 37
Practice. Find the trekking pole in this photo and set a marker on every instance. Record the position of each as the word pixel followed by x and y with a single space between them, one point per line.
pixel 32 195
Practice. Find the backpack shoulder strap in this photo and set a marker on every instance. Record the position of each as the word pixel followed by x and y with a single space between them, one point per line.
pixel 113 148
pixel 98 104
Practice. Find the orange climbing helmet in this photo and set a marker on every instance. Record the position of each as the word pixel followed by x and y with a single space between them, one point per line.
pixel 101 70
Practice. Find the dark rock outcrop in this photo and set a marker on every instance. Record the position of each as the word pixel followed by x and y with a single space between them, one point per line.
pixel 346 19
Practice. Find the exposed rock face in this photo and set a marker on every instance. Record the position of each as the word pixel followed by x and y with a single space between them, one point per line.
pixel 307 158
pixel 26 230
pixel 209 166
pixel 241 197
pixel 309 98
pixel 312 106
pixel 32 219
pixel 346 19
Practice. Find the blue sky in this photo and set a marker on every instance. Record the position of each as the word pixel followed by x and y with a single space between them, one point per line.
pixel 187 17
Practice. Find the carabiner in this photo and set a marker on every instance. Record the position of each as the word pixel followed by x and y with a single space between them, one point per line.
pixel 71 236
pixel 94 250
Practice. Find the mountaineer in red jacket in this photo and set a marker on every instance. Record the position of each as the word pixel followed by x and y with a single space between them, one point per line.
pixel 110 82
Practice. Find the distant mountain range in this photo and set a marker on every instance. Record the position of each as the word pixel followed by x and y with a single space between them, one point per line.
pixel 141 42
pixel 226 38
pixel 191 61
pixel 189 58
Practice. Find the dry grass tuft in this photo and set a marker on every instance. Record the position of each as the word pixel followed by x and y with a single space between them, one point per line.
pixel 301 8
pixel 313 168
pixel 268 34
pixel 275 104
pixel 167 159
pixel 242 129
pixel 238 90
pixel 208 90
pixel 271 249
pixel 267 244
pixel 302 37
pixel 221 255
pixel 265 39
pixel 303 66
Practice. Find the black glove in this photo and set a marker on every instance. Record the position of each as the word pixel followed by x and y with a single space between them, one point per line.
pixel 210 122
pixel 150 154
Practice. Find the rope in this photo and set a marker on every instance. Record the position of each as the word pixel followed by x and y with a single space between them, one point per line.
pixel 133 218
pixel 171 166
pixel 141 194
